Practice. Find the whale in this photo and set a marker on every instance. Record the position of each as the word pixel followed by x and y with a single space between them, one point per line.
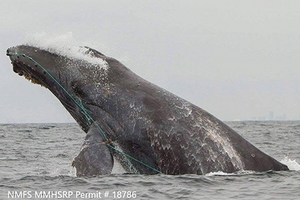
pixel 130 120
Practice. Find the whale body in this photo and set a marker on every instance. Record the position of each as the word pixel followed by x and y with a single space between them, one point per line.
pixel 146 128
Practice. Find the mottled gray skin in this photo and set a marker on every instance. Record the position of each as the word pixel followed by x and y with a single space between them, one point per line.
pixel 145 121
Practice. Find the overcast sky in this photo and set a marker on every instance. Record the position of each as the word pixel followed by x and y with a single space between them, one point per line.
pixel 235 59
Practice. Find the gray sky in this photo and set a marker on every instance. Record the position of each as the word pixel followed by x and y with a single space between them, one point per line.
pixel 235 59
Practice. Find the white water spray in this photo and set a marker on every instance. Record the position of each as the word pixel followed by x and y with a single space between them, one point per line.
pixel 64 45
pixel 292 164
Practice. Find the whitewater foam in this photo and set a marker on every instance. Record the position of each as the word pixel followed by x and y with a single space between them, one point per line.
pixel 64 45
pixel 220 173
pixel 292 164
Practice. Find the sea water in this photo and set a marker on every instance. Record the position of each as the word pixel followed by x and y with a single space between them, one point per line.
pixel 35 163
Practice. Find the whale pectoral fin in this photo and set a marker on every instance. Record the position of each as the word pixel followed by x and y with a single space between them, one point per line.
pixel 93 161
pixel 94 158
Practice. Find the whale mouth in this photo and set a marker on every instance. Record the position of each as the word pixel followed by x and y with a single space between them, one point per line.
pixel 24 69
pixel 30 77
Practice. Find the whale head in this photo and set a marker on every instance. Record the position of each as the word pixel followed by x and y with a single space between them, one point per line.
pixel 68 75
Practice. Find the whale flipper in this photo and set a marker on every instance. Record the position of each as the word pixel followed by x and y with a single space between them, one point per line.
pixel 94 158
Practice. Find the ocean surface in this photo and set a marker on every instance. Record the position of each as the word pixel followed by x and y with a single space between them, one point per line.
pixel 35 163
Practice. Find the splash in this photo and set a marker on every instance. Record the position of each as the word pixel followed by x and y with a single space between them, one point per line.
pixel 292 164
pixel 64 45
pixel 220 173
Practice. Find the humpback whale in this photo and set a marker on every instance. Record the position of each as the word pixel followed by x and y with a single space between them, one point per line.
pixel 146 128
